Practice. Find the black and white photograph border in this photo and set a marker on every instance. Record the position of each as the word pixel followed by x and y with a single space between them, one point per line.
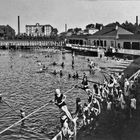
pixel 69 70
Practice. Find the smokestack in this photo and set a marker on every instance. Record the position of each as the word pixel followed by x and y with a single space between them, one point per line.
pixel 137 20
pixel 65 27
pixel 18 25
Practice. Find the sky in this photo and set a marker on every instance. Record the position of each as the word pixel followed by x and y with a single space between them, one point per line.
pixel 74 13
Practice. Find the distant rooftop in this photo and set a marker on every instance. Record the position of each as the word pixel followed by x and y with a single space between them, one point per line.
pixel 37 24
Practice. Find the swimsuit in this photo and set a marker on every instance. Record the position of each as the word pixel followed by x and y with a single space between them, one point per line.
pixel 59 103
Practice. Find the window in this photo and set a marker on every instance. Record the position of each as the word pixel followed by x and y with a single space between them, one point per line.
pixel 97 42
pixel 101 43
pixel 135 45
pixel 127 45
pixel 105 43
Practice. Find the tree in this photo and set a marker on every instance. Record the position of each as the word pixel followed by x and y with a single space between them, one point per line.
pixel 55 31
pixel 89 26
pixel 129 26
pixel 70 30
pixel 76 30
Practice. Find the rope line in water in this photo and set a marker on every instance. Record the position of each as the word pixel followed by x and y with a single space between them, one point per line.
pixel 19 104
pixel 30 114
pixel 12 108
pixel 16 107
pixel 23 118
pixel 9 106
pixel 5 113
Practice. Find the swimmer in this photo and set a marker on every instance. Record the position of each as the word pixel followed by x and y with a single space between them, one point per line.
pixel 77 75
pixel 22 115
pixel 62 65
pixel 69 75
pixel 74 76
pixel 85 82
pixel 54 63
pixel 54 72
pixel 39 64
pixel 61 73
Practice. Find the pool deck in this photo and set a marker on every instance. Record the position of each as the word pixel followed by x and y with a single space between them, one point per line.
pixel 128 52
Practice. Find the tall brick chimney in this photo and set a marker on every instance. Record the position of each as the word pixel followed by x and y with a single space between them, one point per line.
pixel 137 20
pixel 18 25
pixel 65 27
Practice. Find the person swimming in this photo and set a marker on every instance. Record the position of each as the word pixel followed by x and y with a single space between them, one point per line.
pixel 69 75
pixel 61 73
pixel 76 75
pixel 54 72
pixel 62 64
pixel 22 115
pixel 39 63
pixel 54 63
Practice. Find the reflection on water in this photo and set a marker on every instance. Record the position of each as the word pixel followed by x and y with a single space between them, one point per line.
pixel 22 87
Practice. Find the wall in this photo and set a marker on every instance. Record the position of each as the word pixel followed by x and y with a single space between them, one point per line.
pixel 122 42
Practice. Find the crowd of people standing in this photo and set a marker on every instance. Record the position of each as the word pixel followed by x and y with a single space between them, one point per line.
pixel 117 95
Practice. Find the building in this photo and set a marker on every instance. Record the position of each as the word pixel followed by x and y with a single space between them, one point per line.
pixel 39 30
pixel 129 41
pixel 109 36
pixel 112 37
pixel 78 40
pixel 6 32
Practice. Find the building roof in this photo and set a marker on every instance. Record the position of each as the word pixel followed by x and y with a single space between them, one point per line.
pixel 38 25
pixel 105 31
pixel 129 37
pixel 112 30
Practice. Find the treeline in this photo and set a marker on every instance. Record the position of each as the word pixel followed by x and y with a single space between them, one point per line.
pixel 134 28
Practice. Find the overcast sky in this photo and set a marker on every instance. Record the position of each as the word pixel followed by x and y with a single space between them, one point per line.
pixel 76 13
